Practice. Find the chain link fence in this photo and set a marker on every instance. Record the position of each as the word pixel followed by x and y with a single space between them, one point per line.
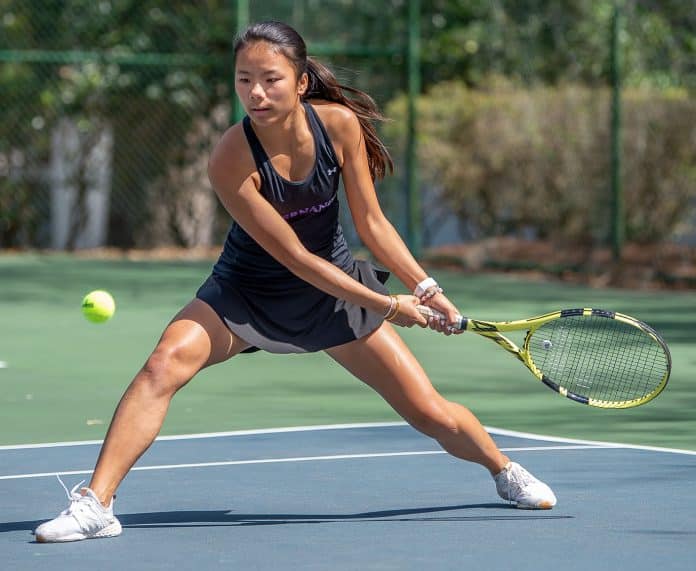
pixel 111 109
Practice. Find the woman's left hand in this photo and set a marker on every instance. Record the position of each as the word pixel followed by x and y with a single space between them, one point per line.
pixel 440 303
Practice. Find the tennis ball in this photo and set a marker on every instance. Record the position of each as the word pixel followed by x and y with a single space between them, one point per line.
pixel 98 306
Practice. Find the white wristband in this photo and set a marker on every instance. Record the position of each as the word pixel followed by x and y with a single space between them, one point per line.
pixel 423 286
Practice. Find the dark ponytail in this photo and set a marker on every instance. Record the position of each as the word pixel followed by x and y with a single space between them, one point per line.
pixel 324 85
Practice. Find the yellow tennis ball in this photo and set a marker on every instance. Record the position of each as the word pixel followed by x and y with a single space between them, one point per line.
pixel 98 306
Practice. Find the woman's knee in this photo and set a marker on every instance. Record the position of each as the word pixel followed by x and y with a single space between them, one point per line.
pixel 169 368
pixel 433 419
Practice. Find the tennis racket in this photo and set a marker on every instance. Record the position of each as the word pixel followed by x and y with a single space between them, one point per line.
pixel 592 356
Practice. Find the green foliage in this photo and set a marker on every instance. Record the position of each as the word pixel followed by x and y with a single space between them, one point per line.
pixel 660 163
pixel 19 219
pixel 148 70
pixel 158 75
pixel 509 160
pixel 158 72
pixel 533 41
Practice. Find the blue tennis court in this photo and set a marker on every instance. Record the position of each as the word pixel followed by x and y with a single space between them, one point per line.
pixel 347 497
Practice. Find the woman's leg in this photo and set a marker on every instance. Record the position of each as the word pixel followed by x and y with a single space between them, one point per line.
pixel 384 362
pixel 195 338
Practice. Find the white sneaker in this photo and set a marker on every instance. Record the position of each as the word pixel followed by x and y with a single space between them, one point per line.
pixel 517 485
pixel 84 518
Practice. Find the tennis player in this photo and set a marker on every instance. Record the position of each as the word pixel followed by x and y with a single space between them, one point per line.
pixel 286 281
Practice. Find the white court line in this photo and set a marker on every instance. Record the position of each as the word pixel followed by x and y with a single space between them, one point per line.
pixel 490 429
pixel 296 459
pixel 532 436
pixel 215 434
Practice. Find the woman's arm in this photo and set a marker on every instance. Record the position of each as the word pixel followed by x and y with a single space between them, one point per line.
pixel 374 229
pixel 235 180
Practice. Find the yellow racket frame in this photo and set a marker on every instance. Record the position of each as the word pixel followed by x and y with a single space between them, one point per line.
pixel 493 330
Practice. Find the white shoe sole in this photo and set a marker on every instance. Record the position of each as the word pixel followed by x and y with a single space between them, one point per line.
pixel 539 506
pixel 109 531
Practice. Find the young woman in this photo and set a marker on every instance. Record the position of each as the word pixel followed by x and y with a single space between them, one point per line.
pixel 286 281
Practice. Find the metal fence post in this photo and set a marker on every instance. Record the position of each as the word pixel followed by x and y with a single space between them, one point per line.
pixel 617 203
pixel 242 21
pixel 413 214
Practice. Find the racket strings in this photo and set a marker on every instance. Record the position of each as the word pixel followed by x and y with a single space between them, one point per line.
pixel 599 357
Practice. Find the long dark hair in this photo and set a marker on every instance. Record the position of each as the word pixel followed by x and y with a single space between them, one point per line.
pixel 323 85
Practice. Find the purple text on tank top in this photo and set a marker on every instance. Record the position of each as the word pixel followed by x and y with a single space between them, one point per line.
pixel 315 209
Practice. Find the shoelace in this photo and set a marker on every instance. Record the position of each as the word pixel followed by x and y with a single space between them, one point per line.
pixel 81 507
pixel 517 479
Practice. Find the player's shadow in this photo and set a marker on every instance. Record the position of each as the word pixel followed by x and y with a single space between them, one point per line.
pixel 218 518
pixel 214 518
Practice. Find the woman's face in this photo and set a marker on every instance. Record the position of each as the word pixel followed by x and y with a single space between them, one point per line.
pixel 266 83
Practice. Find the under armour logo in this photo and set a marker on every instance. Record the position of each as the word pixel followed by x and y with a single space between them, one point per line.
pixel 331 171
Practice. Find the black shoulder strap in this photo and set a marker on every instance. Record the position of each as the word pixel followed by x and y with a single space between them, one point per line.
pixel 260 156
pixel 321 136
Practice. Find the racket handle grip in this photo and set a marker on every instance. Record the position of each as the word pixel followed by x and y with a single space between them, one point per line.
pixel 426 311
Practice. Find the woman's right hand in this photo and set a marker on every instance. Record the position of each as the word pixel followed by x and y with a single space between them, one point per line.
pixel 407 314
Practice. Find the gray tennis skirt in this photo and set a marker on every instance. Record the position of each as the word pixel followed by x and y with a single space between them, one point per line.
pixel 293 316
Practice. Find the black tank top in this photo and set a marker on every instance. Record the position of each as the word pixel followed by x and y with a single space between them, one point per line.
pixel 310 206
